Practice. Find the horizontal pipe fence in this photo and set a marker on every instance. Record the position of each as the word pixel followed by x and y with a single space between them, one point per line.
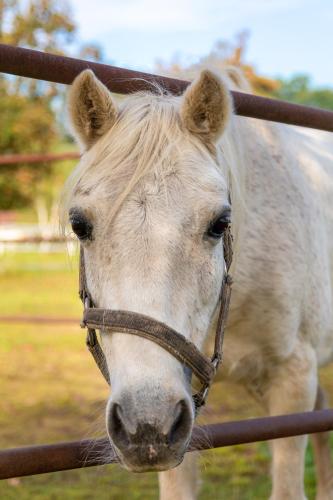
pixel 14 159
pixel 63 456
pixel 73 455
pixel 60 69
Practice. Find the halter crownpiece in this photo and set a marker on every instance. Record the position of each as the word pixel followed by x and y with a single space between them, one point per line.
pixel 144 326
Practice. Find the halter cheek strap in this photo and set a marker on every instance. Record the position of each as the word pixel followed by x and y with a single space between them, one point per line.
pixel 144 326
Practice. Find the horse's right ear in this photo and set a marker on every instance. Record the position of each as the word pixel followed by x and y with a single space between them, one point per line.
pixel 91 109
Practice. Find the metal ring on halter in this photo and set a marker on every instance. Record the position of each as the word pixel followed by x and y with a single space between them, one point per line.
pixel 216 361
pixel 204 394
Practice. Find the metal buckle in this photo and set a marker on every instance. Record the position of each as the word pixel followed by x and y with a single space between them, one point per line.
pixel 199 398
pixel 216 360
pixel 204 394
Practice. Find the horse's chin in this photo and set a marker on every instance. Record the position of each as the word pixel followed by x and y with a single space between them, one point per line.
pixel 134 466
pixel 150 468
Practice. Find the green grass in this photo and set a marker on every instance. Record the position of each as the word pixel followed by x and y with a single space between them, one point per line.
pixel 40 284
pixel 52 391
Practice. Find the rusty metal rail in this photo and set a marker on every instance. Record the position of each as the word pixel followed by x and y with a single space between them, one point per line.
pixel 60 69
pixel 32 460
pixel 12 159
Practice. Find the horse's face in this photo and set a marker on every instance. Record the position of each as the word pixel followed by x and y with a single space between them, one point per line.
pixel 159 254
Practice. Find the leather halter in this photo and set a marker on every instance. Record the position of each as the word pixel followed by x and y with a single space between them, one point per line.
pixel 144 326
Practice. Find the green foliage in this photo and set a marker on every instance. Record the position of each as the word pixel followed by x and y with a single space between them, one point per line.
pixel 299 89
pixel 28 108
pixel 27 126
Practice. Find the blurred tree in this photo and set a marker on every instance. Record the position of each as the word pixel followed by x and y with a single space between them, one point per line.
pixel 28 108
pixel 27 125
pixel 27 117
pixel 299 89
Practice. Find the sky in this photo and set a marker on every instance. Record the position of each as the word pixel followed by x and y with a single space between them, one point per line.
pixel 286 36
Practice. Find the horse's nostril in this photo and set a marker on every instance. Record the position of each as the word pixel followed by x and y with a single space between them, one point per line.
pixel 149 442
pixel 116 426
pixel 182 423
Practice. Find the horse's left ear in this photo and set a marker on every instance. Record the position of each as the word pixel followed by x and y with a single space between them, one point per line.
pixel 206 106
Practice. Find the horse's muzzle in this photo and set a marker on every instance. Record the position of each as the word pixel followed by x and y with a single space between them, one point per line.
pixel 154 445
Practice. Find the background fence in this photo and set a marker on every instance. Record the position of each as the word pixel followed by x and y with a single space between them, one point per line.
pixel 37 158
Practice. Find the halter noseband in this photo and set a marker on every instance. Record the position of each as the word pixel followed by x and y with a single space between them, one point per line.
pixel 160 333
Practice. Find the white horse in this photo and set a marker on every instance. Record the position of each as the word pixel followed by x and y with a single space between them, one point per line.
pixel 150 198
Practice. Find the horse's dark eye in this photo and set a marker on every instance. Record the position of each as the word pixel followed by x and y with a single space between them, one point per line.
pixel 80 225
pixel 219 225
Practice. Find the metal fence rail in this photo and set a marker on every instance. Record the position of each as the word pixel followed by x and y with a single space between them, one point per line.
pixel 64 456
pixel 14 159
pixel 60 69
pixel 50 458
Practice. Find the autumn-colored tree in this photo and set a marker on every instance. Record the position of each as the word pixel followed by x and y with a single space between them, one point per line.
pixel 27 118
pixel 297 88
pixel 27 106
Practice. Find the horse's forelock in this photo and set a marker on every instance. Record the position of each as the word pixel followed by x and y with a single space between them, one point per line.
pixel 143 138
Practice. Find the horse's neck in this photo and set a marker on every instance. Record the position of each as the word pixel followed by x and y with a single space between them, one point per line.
pixel 284 172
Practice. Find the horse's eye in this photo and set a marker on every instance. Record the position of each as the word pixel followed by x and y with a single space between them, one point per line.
pixel 80 225
pixel 219 225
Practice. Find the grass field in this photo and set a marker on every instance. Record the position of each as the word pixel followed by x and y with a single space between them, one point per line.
pixel 51 391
